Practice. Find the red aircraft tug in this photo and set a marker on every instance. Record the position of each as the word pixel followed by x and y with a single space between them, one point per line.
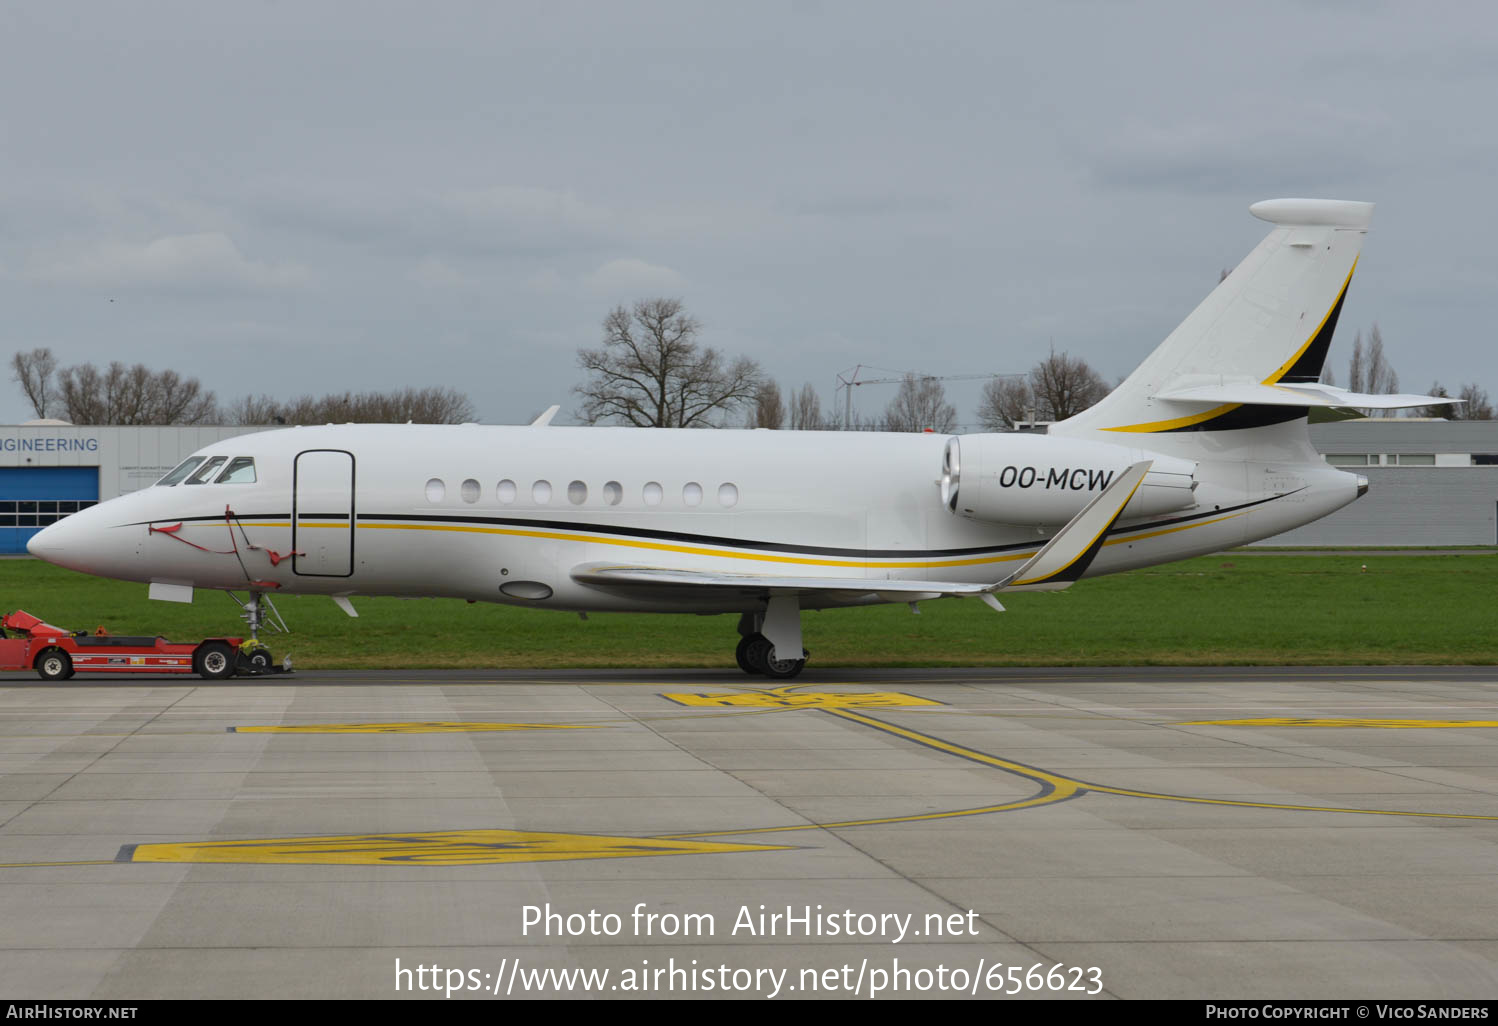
pixel 56 654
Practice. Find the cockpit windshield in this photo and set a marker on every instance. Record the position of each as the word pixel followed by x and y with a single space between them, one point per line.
pixel 241 470
pixel 204 473
pixel 183 469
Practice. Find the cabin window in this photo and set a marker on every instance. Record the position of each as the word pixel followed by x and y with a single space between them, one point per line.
pixel 577 493
pixel 241 470
pixel 691 493
pixel 206 471
pixel 541 492
pixel 728 494
pixel 652 493
pixel 183 469
pixel 613 493
pixel 471 491
pixel 436 490
pixel 506 491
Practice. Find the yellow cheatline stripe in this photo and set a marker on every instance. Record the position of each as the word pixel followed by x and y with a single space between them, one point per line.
pixel 1083 551
pixel 1180 422
pixel 432 727
pixel 696 550
pixel 1340 721
pixel 1285 367
pixel 1171 530
pixel 768 557
pixel 430 848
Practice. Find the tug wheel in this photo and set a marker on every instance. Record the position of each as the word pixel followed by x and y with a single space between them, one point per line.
pixel 54 664
pixel 213 660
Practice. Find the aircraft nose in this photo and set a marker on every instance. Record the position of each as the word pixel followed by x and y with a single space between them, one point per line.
pixel 48 543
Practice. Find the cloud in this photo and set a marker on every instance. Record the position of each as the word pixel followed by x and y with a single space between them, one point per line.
pixel 202 260
pixel 434 273
pixel 634 276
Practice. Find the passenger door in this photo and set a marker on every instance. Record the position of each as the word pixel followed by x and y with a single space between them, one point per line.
pixel 322 513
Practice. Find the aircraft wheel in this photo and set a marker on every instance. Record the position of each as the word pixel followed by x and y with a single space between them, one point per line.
pixel 742 654
pixel 54 664
pixel 257 660
pixel 214 660
pixel 757 654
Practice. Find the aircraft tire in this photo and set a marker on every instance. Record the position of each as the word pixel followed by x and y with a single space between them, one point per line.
pixel 257 661
pixel 213 660
pixel 741 654
pixel 54 664
pixel 757 653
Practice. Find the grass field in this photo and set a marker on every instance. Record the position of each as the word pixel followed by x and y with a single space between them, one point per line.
pixel 1222 609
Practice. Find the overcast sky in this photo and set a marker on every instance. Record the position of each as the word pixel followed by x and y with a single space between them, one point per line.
pixel 300 197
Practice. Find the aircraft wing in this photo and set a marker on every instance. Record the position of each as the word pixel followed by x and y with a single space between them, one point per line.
pixel 1060 562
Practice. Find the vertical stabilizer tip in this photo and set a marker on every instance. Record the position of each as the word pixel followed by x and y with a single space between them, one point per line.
pixel 1332 213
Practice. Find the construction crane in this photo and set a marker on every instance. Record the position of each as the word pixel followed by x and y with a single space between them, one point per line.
pixel 847 381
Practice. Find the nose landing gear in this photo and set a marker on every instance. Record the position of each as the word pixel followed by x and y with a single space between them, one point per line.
pixel 254 658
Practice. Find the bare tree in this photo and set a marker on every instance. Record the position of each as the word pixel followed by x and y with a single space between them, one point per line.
pixel 1369 370
pixel 133 396
pixel 408 405
pixel 768 410
pixel 920 405
pixel 1381 378
pixel 651 372
pixel 806 410
pixel 34 372
pixel 1064 386
pixel 1442 411
pixel 1477 406
pixel 1005 403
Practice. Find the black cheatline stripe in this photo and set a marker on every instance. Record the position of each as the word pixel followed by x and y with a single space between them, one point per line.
pixel 1307 369
pixel 322 516
pixel 1245 416
pixel 733 543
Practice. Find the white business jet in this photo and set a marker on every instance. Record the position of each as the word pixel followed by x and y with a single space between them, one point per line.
pixel 1202 448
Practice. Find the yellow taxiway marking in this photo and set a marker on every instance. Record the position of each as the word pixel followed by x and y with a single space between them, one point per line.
pixel 1339 721
pixel 429 727
pixel 780 698
pixel 440 848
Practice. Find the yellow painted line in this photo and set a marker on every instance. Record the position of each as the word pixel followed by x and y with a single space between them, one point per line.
pixel 431 727
pixel 1072 787
pixel 440 848
pixel 1340 721
pixel 801 700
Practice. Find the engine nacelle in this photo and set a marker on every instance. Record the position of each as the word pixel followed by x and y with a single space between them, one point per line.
pixel 1037 480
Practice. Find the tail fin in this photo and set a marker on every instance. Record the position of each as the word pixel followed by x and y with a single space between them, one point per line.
pixel 1268 322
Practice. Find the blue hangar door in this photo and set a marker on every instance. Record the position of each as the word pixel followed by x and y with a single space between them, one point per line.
pixel 33 497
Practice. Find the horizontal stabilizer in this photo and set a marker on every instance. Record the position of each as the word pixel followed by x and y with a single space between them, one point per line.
pixel 1297 394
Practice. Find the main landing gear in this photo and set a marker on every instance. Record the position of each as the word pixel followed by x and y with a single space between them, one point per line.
pixel 766 636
